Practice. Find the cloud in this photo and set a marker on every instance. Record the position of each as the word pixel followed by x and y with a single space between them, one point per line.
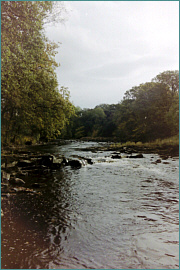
pixel 109 46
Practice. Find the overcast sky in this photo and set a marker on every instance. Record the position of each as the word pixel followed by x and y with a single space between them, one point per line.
pixel 110 46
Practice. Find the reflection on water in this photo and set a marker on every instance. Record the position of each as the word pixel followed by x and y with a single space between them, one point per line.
pixel 112 214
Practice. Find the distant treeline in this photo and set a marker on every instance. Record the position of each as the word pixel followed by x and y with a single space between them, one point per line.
pixel 147 112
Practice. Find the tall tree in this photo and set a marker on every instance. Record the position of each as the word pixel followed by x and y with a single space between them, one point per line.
pixel 149 111
pixel 31 104
pixel 152 103
pixel 169 78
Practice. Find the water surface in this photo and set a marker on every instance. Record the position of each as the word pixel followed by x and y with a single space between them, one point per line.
pixel 116 214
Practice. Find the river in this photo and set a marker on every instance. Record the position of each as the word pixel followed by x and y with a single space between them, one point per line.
pixel 113 214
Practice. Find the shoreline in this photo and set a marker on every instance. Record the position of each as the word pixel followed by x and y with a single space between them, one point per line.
pixel 169 149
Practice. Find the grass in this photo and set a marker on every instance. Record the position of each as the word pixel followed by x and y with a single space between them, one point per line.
pixel 172 141
pixel 168 141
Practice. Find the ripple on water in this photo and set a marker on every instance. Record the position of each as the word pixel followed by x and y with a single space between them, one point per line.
pixel 112 214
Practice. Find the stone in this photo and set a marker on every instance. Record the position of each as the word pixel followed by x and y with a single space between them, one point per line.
pixel 137 156
pixel 89 160
pixel 5 176
pixel 116 156
pixel 47 160
pixel 55 166
pixel 75 164
pixel 16 181
pixel 24 163
pixel 156 162
pixel 23 189
pixel 65 161
pixel 164 157
pixel 35 185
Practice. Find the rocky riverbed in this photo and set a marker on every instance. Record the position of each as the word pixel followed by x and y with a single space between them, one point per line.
pixel 18 166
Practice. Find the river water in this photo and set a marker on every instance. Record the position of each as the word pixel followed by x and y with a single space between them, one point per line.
pixel 115 214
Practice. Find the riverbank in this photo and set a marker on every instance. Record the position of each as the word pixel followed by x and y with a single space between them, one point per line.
pixel 167 147
pixel 168 150
pixel 21 163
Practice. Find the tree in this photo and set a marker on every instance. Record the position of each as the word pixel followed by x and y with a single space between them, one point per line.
pixel 57 13
pixel 169 78
pixel 131 94
pixel 148 111
pixel 172 116
pixel 108 126
pixel 31 104
pixel 152 103
pixel 125 120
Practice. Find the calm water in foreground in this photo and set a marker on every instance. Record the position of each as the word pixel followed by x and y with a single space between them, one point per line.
pixel 120 214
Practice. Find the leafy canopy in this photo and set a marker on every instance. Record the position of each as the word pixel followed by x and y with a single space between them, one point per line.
pixel 31 104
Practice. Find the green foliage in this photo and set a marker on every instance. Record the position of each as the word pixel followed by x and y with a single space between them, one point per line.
pixel 31 104
pixel 170 141
pixel 79 132
pixel 147 112
pixel 169 78
pixel 172 116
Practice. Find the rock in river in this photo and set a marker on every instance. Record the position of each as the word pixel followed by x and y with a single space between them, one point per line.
pixel 137 156
pixel 47 160
pixel 117 156
pixel 16 181
pixel 75 163
pixel 24 163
